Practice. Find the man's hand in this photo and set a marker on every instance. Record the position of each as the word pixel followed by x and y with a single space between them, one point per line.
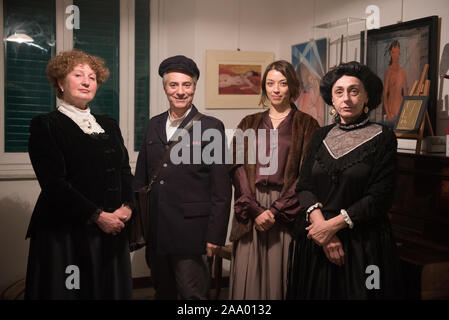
pixel 211 249
pixel 123 213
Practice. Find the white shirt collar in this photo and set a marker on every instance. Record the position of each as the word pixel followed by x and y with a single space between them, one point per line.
pixel 173 124
pixel 83 118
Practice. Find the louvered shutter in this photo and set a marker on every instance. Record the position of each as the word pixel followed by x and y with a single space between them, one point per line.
pixel 27 90
pixel 142 72
pixel 99 35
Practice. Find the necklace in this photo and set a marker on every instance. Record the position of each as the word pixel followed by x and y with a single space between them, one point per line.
pixel 282 115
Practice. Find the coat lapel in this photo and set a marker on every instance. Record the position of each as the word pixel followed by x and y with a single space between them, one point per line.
pixel 251 168
pixel 191 114
pixel 161 128
pixel 292 166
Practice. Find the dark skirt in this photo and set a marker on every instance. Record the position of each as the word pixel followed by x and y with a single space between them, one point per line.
pixel 78 262
pixel 371 267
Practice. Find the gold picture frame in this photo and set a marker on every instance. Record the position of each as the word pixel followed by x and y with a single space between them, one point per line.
pixel 233 78
pixel 411 114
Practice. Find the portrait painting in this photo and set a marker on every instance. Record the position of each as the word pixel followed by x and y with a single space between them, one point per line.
pixel 398 55
pixel 310 62
pixel 234 78
pixel 239 79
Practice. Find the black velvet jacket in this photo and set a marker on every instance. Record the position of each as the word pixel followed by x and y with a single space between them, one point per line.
pixel 78 173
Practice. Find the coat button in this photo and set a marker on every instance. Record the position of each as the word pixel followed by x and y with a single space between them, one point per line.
pixel 166 147
pixel 164 165
pixel 162 182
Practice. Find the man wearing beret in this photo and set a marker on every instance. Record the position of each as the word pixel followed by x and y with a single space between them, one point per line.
pixel 189 202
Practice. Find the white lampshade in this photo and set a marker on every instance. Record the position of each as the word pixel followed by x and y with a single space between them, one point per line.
pixel 20 37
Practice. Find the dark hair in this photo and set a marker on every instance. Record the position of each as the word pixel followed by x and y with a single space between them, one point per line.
pixel 371 82
pixel 394 43
pixel 288 72
pixel 62 64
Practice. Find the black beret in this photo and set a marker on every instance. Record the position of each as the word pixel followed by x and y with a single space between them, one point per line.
pixel 180 64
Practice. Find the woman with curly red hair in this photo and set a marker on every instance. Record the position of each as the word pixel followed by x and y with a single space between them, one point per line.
pixel 78 247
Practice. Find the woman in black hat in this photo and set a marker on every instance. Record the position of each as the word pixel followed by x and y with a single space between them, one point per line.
pixel 344 246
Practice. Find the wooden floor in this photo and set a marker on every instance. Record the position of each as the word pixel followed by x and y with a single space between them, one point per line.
pixel 148 293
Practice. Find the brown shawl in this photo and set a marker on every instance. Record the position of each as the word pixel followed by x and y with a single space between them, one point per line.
pixel 303 127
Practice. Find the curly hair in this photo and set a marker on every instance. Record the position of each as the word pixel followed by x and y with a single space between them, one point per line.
pixel 62 64
pixel 371 82
pixel 288 72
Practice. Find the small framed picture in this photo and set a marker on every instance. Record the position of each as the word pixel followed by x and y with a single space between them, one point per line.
pixel 234 78
pixel 411 114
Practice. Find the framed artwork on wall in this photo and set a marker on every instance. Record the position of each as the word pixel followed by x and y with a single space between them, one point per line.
pixel 398 55
pixel 310 62
pixel 233 78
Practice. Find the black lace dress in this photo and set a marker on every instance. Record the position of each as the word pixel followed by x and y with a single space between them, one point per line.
pixel 351 168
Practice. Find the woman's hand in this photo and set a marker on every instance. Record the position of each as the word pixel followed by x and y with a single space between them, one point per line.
pixel 264 221
pixel 123 213
pixel 334 251
pixel 110 223
pixel 320 231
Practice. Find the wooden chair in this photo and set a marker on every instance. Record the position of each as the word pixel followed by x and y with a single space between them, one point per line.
pixel 224 253
pixel 435 281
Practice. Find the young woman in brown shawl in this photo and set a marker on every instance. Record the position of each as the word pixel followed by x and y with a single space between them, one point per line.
pixel 265 202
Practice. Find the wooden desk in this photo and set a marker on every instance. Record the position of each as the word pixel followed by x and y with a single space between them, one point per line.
pixel 420 221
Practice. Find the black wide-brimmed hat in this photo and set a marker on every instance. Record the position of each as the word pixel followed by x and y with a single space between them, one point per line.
pixel 181 64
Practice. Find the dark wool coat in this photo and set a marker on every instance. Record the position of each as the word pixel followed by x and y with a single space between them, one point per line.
pixel 303 127
pixel 189 203
pixel 78 174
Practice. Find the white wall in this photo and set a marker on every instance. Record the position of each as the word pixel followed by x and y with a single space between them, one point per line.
pixel 17 199
pixel 299 28
pixel 190 27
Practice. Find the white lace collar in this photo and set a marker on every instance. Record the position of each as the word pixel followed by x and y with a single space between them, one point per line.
pixel 83 118
pixel 340 142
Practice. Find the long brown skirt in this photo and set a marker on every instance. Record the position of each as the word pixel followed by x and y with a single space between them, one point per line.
pixel 259 260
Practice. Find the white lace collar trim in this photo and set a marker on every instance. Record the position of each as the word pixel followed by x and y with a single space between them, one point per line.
pixel 83 118
pixel 340 142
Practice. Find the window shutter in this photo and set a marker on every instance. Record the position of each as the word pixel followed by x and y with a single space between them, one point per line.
pixel 98 35
pixel 142 70
pixel 28 92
